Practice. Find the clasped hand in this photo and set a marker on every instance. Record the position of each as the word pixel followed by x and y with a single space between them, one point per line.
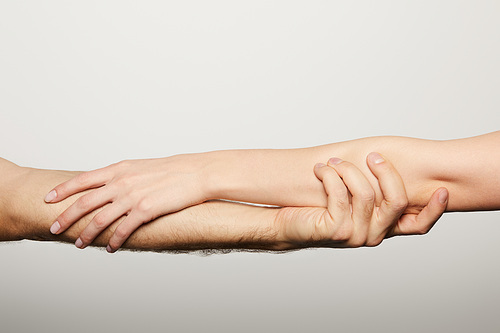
pixel 146 189
pixel 352 218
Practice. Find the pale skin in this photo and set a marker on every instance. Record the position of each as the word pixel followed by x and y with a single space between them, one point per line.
pixel 146 189
pixel 216 224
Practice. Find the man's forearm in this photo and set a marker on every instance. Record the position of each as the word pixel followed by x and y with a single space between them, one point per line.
pixel 211 225
pixel 468 167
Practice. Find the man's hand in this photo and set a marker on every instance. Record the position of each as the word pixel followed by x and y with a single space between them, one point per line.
pixel 352 218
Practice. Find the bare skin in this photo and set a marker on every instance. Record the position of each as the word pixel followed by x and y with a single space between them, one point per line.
pixel 219 224
pixel 24 215
pixel 146 189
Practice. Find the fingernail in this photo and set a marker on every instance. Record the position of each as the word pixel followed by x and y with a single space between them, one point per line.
pixel 51 196
pixel 79 243
pixel 54 228
pixel 335 160
pixel 376 158
pixel 319 165
pixel 443 196
pixel 109 249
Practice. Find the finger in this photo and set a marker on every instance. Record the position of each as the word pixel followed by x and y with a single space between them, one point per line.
pixel 393 190
pixel 363 196
pixel 99 223
pixel 81 207
pixel 336 191
pixel 79 183
pixel 124 230
pixel 411 224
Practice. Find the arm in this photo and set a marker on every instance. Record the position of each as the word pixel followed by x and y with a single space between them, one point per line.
pixel 147 189
pixel 218 224
pixel 469 168
pixel 211 225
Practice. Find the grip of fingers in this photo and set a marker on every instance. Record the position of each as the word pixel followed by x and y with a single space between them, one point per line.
pixel 327 175
pixel 395 199
pixel 338 205
pixel 412 224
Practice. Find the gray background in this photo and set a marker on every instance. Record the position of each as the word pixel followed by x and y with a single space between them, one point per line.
pixel 85 84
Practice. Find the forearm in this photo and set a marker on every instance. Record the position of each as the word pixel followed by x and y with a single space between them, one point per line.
pixel 469 168
pixel 211 225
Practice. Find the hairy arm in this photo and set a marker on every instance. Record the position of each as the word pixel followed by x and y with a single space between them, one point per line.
pixel 469 168
pixel 221 225
pixel 211 225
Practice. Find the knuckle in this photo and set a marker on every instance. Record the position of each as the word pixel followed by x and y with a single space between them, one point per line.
pixel 340 195
pixel 114 243
pixel 367 195
pixel 84 203
pixel 85 238
pixel 399 204
pixel 82 178
pixel 121 233
pixel 123 181
pixel 374 242
pixel 122 164
pixel 145 205
pixel 343 233
pixel 423 230
pixel 100 222
pixel 341 201
pixel 358 240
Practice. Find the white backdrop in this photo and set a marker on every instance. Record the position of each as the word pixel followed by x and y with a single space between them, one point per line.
pixel 85 84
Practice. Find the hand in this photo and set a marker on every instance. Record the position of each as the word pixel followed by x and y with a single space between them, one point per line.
pixel 352 218
pixel 140 189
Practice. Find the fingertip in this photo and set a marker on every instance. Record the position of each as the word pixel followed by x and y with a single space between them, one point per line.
pixel 375 158
pixel 55 228
pixel 109 249
pixel 334 161
pixel 432 212
pixel 319 165
pixel 79 243
pixel 318 170
pixel 51 196
pixel 443 195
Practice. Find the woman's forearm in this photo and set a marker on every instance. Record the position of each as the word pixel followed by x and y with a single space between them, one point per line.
pixel 469 168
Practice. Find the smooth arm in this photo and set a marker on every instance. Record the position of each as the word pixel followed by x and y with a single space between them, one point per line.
pixel 469 168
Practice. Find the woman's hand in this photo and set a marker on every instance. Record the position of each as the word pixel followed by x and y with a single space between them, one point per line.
pixel 140 189
pixel 352 219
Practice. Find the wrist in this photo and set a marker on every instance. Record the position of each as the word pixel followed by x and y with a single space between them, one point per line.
pixel 214 175
pixel 206 176
pixel 198 169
